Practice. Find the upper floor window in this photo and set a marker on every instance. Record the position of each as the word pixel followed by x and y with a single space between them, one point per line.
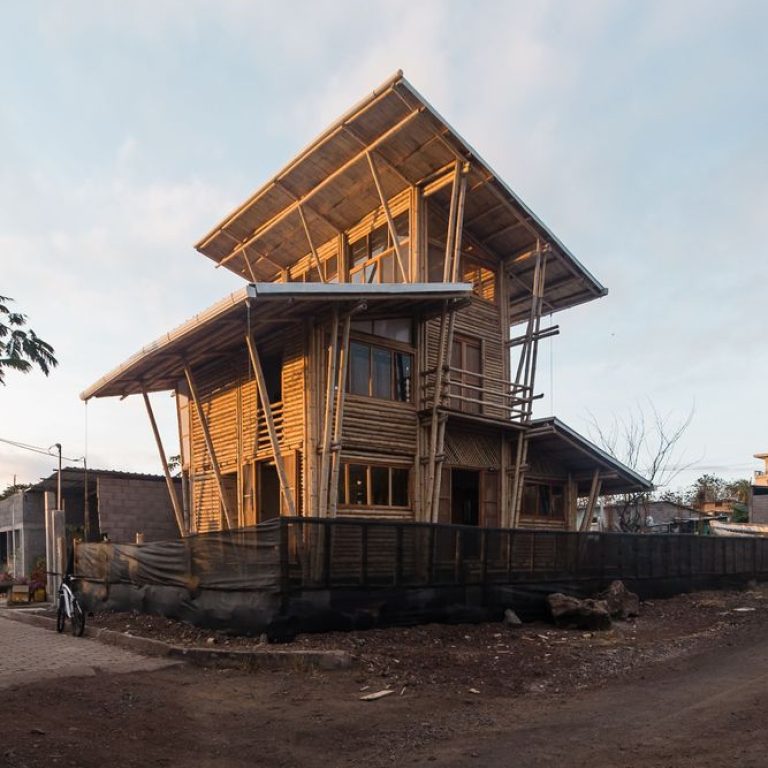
pixel 376 371
pixel 372 257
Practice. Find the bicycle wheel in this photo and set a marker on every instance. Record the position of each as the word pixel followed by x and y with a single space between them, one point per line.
pixel 61 616
pixel 78 619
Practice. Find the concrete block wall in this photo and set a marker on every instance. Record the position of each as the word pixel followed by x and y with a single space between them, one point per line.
pixel 128 506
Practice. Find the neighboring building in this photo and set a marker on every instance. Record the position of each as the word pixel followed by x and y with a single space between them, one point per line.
pixel 655 517
pixel 120 505
pixel 22 532
pixel 364 370
pixel 758 503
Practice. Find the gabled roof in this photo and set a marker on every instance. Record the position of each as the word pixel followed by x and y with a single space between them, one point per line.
pixel 267 307
pixel 564 444
pixel 411 144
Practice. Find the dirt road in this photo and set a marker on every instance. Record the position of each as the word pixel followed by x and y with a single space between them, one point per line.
pixel 700 701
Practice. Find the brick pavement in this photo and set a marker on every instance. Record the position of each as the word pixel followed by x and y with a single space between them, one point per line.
pixel 29 654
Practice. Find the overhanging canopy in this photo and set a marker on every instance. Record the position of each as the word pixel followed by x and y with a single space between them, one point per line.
pixel 561 444
pixel 266 307
pixel 411 145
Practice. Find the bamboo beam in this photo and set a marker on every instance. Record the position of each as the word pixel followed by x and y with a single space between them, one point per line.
pixel 315 257
pixel 594 492
pixel 177 511
pixel 264 228
pixel 322 510
pixel 264 395
pixel 388 215
pixel 208 442
pixel 339 420
pixel 350 132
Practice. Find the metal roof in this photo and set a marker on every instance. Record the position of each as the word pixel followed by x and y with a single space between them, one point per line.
pixel 265 308
pixel 562 443
pixel 412 145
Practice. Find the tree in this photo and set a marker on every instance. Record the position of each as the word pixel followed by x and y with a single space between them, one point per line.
pixel 647 442
pixel 20 347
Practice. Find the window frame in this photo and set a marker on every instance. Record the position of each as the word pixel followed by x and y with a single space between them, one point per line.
pixel 344 488
pixel 374 260
pixel 394 348
pixel 553 489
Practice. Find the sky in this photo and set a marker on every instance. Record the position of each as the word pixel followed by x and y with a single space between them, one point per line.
pixel 635 130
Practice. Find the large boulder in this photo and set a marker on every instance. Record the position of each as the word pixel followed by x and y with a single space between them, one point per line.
pixel 570 611
pixel 622 604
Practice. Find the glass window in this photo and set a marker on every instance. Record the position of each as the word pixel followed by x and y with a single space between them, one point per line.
pixel 403 364
pixel 373 485
pixel 381 379
pixel 380 486
pixel 358 484
pixel 372 256
pixel 379 372
pixel 359 368
pixel 399 487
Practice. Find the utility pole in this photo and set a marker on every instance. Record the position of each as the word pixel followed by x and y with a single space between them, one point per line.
pixel 57 446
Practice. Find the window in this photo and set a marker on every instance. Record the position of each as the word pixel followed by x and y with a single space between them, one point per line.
pixel 397 329
pixel 372 257
pixel 466 383
pixel 543 500
pixel 373 485
pixel 379 372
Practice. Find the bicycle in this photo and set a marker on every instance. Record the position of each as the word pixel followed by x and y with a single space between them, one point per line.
pixel 69 608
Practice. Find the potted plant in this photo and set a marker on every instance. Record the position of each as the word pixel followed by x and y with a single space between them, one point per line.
pixel 37 581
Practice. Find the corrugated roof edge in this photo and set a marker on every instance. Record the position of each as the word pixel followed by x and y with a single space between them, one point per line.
pixel 335 125
pixel 278 290
pixel 390 83
pixel 561 426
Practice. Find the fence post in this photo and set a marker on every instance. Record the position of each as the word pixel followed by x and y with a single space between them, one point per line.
pixel 398 555
pixel 484 555
pixel 364 556
pixel 285 577
pixel 509 555
pixel 457 555
pixel 327 531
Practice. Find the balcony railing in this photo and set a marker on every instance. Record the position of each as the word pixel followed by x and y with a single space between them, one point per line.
pixel 478 394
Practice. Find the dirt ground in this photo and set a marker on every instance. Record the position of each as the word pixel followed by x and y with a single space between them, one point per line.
pixel 684 684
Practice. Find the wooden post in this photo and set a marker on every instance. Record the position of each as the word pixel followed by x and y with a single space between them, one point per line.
pixel 164 461
pixel 208 442
pixel 388 215
pixel 322 505
pixel 341 388
pixel 264 395
pixel 594 492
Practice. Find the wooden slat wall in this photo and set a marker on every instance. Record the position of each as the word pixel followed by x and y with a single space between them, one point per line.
pixel 206 504
pixel 228 396
pixel 381 426
pixel 482 320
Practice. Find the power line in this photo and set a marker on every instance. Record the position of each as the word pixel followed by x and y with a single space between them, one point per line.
pixel 36 449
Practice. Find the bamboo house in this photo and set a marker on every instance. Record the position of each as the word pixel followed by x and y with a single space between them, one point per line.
pixel 380 360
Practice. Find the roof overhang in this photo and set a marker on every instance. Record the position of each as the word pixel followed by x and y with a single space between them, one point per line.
pixel 412 146
pixel 567 447
pixel 266 308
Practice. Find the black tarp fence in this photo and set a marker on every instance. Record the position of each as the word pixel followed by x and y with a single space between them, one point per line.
pixel 304 574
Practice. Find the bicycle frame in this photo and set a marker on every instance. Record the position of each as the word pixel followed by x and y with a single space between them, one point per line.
pixel 65 591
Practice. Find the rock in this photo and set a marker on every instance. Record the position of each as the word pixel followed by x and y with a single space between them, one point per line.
pixel 511 619
pixel 570 611
pixel 211 641
pixel 622 604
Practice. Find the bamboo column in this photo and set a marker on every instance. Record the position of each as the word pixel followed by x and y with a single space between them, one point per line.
pixel 178 514
pixel 339 420
pixel 208 443
pixel 322 505
pixel 277 455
